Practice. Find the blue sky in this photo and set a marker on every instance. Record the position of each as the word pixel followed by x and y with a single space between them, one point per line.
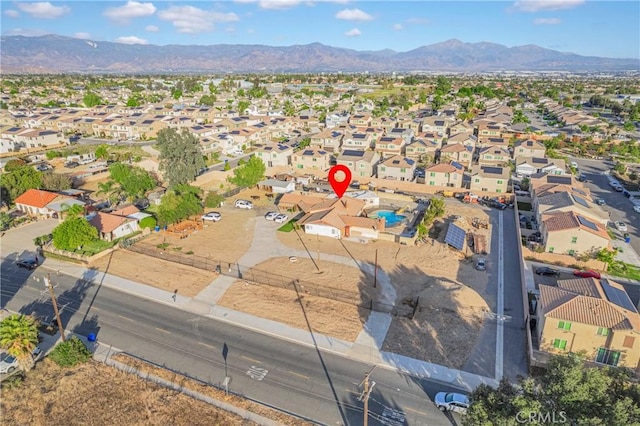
pixel 598 28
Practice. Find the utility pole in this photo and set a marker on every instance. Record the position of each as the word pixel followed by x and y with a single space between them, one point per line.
pixel 364 396
pixel 47 282
pixel 375 273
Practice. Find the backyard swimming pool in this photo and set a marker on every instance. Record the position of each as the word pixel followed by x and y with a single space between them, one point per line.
pixel 391 219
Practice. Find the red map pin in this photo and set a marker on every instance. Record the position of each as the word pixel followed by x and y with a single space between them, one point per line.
pixel 339 186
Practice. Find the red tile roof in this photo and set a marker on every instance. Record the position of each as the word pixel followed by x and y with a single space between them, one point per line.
pixel 36 198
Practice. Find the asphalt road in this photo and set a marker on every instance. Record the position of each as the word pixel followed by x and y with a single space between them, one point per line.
pixel 315 385
pixel 620 207
pixel 97 141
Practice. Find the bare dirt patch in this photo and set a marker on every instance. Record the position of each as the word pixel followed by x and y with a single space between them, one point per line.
pixel 225 241
pixel 155 272
pixel 449 295
pixel 337 313
pixel 95 394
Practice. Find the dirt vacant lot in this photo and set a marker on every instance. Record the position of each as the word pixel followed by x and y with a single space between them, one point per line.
pixel 95 394
pixel 323 315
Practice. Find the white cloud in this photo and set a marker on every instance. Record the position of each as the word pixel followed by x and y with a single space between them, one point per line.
pixel 547 21
pixel 152 28
pixel 43 10
pixel 286 4
pixel 132 9
pixel 354 15
pixel 131 40
pixel 537 5
pixel 397 27
pixel 353 33
pixel 418 21
pixel 12 13
pixel 192 20
pixel 82 35
pixel 27 32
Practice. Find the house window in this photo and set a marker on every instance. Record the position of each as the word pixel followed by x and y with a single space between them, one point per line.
pixel 603 331
pixel 559 344
pixel 432 183
pixel 564 325
pixel 499 182
pixel 574 240
pixel 382 169
pixel 477 180
pixel 628 342
pixel 608 357
pixel 403 170
pixel 498 190
pixel 432 174
pixel 551 249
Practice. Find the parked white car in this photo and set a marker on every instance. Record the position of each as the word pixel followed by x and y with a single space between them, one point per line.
pixel 271 215
pixel 636 208
pixel 621 226
pixel 212 216
pixel 281 218
pixel 244 204
pixel 449 401
pixel 8 363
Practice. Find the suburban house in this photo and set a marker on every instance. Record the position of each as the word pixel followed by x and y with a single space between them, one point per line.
pixel 457 152
pixel 398 132
pixel 275 154
pixel 465 139
pixel 592 316
pixel 361 141
pixel 542 182
pixel 527 166
pixel 421 149
pixel 449 175
pixel 36 202
pixel 112 226
pixel 528 148
pixel 493 156
pixel 360 119
pixel 311 158
pixel 565 201
pixel 361 163
pixel 328 139
pixel 276 186
pixel 436 124
pixel 333 217
pixel 397 168
pixel 390 145
pixel 489 179
pixel 571 233
pixel 461 128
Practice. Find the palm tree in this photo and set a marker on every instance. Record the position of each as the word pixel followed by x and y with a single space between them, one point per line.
pixel 111 189
pixel 72 210
pixel 19 335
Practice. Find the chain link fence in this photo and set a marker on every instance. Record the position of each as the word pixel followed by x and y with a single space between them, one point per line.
pixel 275 280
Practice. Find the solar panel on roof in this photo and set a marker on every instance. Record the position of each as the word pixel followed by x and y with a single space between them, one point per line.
pixel 396 161
pixel 308 152
pixel 457 165
pixel 563 180
pixel 353 153
pixel 492 170
pixel 617 296
pixel 456 237
pixel 587 223
pixel 581 201
pixel 539 160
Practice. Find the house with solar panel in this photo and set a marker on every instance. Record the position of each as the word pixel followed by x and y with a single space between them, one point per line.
pixel 422 149
pixel 491 156
pixel 527 166
pixel 276 154
pixel 568 232
pixel 445 175
pixel 457 152
pixel 361 163
pixel 390 145
pixel 569 201
pixel 311 158
pixel 358 140
pixel 592 316
pixel 489 179
pixel 328 140
pixel 528 148
pixel 397 168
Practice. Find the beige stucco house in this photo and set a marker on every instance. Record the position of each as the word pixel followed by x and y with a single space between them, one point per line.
pixel 489 179
pixel 397 168
pixel 591 316
pixel 571 233
pixel 444 175
pixel 275 154
pixel 528 148
pixel 361 163
pixel 311 158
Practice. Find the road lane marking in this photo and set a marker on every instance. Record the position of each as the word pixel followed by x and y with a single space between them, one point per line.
pixel 250 359
pixel 207 345
pixel 499 370
pixel 257 373
pixel 127 318
pixel 352 391
pixel 299 375
pixel 163 330
pixel 414 411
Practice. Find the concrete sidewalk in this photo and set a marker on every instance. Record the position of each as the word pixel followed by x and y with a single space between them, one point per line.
pixel 367 348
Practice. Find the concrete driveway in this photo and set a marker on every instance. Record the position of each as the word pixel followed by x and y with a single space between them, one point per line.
pixel 18 242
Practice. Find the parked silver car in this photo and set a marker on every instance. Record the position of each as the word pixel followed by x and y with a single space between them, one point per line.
pixel 449 401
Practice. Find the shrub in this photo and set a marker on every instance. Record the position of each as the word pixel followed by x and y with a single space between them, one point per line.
pixel 70 353
pixel 148 222
pixel 213 200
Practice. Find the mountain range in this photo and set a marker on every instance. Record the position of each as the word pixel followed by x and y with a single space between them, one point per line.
pixel 59 54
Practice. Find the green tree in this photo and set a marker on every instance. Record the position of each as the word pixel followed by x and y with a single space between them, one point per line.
pixel 73 233
pixel 19 336
pixel 102 152
pixel 242 106
pixel 249 174
pixel 6 220
pixel 180 203
pixel 133 102
pixel 437 206
pixel 585 396
pixel 55 181
pixel 20 180
pixel 180 156
pixel 90 100
pixel 14 165
pixel 620 168
pixel 110 189
pixel 213 200
pixel 134 181
pixel 208 100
